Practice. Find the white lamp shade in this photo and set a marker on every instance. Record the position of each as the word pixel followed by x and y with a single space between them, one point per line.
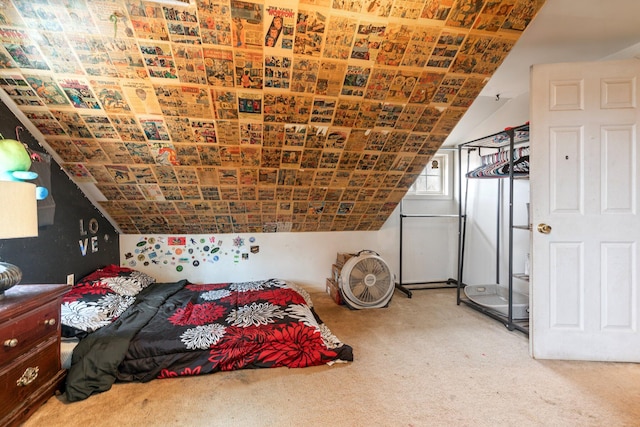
pixel 18 210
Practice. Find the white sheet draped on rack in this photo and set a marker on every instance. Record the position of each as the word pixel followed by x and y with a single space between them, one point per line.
pixel 497 164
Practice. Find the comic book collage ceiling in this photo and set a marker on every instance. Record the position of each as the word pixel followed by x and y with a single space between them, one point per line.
pixel 228 116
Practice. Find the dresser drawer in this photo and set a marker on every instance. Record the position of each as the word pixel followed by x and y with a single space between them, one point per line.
pixel 23 332
pixel 20 380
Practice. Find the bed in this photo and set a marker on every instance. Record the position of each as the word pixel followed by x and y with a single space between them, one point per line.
pixel 131 328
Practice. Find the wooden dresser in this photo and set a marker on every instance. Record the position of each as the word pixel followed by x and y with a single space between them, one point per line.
pixel 30 369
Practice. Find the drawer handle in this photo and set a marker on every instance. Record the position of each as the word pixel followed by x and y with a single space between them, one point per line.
pixel 30 374
pixel 13 342
pixel 50 322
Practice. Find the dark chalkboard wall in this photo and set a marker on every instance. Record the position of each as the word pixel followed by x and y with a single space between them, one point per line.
pixel 80 238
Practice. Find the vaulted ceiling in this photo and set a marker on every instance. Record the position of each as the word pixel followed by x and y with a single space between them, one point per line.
pixel 225 116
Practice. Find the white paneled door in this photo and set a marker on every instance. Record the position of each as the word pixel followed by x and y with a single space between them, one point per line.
pixel 584 197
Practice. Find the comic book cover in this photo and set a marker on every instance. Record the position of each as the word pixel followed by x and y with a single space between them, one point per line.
pixel 21 90
pixel 230 156
pixel 316 136
pixel 22 50
pixel 408 9
pixel 215 18
pixel 493 56
pixel 428 119
pixel 291 158
pixel 78 172
pixel 448 89
pixel 219 67
pixel 380 83
pixel 413 143
pixel 164 153
pixel 147 20
pixel 422 41
pixel 469 92
pixel 374 7
pixel 9 15
pixel 392 48
pixel 251 133
pixel 330 78
pixel 437 9
pixel 426 87
pixel 368 114
pixel 304 75
pixel 139 152
pixel 121 174
pixel 158 59
pixel 116 151
pixel 203 131
pixel 273 134
pixel 59 55
pixel 154 128
pixel 448 121
pixel 270 157
pixel 309 34
pixel 225 104
pixel 389 115
pixel 189 63
pixel 141 97
pixel 209 155
pixel 91 150
pixel 355 80
pixel 227 132
pixel 251 155
pixel 346 113
pixel 100 173
pixel 188 154
pixel 336 138
pixel 323 109
pixel 250 105
pixel 248 69
pixel 279 24
pixel 340 34
pixel 357 140
pixel 182 24
pixel 295 135
pixel 100 126
pixel 152 192
pixel 247 29
pixel 72 124
pixel 395 140
pixel 110 96
pixel 277 72
pixel 367 42
pixel 101 11
pixel 126 58
pixel 446 49
pixel 464 14
pixel 92 53
pixel 310 158
pixel 79 93
pixel 179 128
pixel 44 121
pixel 521 15
pixel 67 151
pixel 409 116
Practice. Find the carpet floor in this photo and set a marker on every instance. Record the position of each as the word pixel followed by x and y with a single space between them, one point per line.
pixel 422 361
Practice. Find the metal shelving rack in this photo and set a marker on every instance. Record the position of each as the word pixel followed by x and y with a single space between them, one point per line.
pixel 414 286
pixel 501 141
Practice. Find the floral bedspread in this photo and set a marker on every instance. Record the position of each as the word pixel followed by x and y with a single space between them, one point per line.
pixel 178 329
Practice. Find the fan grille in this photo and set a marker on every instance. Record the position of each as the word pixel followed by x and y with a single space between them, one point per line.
pixel 368 282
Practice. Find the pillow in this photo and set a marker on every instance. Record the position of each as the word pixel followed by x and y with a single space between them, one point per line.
pixel 100 298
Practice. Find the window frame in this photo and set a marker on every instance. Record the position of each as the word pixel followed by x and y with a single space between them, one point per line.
pixel 446 164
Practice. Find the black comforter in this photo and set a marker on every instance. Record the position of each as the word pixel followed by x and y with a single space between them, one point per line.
pixel 178 329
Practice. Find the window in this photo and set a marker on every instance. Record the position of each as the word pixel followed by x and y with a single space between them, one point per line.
pixel 435 179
